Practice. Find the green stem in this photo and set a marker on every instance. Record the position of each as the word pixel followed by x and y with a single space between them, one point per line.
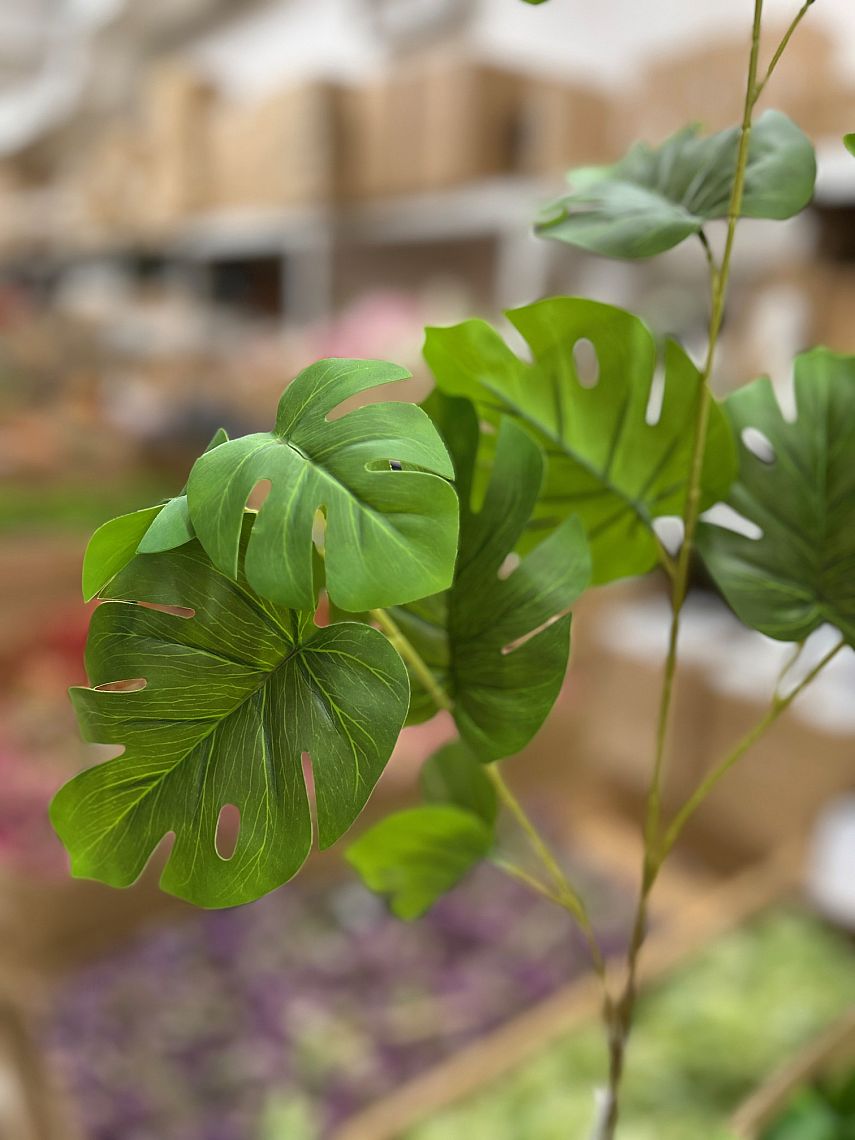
pixel 413 658
pixel 779 705
pixel 621 1013
pixel 564 894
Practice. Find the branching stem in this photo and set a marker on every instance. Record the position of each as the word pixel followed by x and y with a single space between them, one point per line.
pixel 562 893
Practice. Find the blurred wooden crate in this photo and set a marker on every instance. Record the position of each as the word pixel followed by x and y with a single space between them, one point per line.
pixel 441 121
pixel 564 125
pixel 707 85
pixel 273 153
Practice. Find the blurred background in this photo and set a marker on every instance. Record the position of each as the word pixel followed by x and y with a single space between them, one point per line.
pixel 198 198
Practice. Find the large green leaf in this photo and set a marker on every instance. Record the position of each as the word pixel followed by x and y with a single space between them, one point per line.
pixel 491 641
pixel 801 572
pixel 606 463
pixel 233 696
pixel 113 545
pixel 654 198
pixel 391 534
pixel 416 856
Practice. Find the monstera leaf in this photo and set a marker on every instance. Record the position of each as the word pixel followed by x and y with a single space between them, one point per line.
pixel 606 462
pixel 223 704
pixel 153 529
pixel 797 485
pixel 378 472
pixel 491 641
pixel 654 198
pixel 849 142
pixel 416 856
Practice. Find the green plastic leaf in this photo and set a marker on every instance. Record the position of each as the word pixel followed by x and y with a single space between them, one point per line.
pixel 498 642
pixel 606 463
pixel 113 545
pixel 453 776
pixel 801 572
pixel 416 856
pixel 391 535
pixel 173 527
pixel 232 697
pixel 849 142
pixel 654 198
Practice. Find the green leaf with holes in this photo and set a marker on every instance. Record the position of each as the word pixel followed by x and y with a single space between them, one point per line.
pixel 656 197
pixel 416 856
pixel 453 776
pixel 498 642
pixel 391 534
pixel 801 572
pixel 233 696
pixel 113 545
pixel 606 463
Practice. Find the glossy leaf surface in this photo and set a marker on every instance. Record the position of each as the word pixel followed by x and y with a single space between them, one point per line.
pixel 391 534
pixel 606 463
pixel 491 641
pixel 416 856
pixel 801 495
pixel 226 702
pixel 656 197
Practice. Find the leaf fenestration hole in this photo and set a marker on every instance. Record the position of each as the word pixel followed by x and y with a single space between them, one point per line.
pixel 653 411
pixel 174 611
pixel 228 831
pixel 729 519
pixel 508 566
pixel 132 685
pixel 587 363
pixel 670 530
pixel 519 642
pixel 758 444
pixel 255 499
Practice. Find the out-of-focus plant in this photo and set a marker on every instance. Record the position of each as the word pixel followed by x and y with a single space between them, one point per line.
pixel 450 542
pixel 823 1111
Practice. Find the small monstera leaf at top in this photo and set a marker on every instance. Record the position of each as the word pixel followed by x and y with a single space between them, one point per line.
pixel 113 545
pixel 797 485
pixel 608 462
pixel 380 474
pixel 223 705
pixel 654 198
pixel 491 641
